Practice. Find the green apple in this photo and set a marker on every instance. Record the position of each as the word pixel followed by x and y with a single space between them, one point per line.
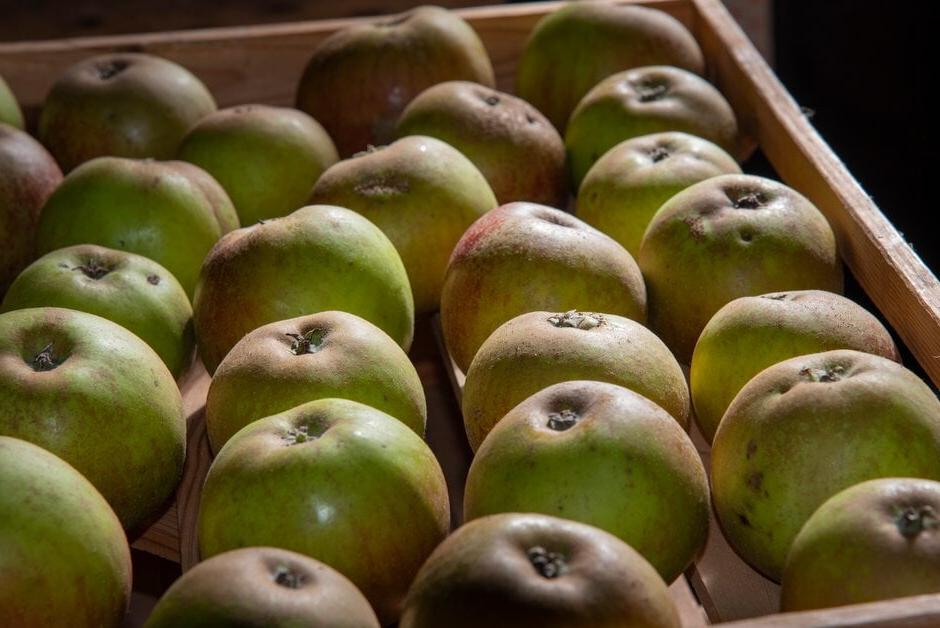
pixel 751 333
pixel 97 396
pixel 361 77
pixel 171 212
pixel 524 257
pixel 266 158
pixel 516 148
pixel 316 259
pixel 336 480
pixel 328 354
pixel 623 190
pixel 65 559
pixel 262 586
pixel 28 175
pixel 877 540
pixel 9 109
pixel 651 99
pixel 728 237
pixel 603 455
pixel 121 104
pixel 806 428
pixel 538 349
pixel 536 571
pixel 422 193
pixel 573 48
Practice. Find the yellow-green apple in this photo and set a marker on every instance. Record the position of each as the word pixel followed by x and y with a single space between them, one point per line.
pixel 808 427
pixel 266 158
pixel 877 540
pixel 573 48
pixel 422 193
pixel 360 78
pixel 98 397
pixel 121 104
pixel 651 99
pixel 728 237
pixel 630 182
pixel 538 349
pixel 333 479
pixel 9 109
pixel 316 259
pixel 751 333
pixel 171 212
pixel 535 571
pixel 525 257
pixel 516 148
pixel 262 586
pixel 28 175
pixel 628 468
pixel 65 559
pixel 328 354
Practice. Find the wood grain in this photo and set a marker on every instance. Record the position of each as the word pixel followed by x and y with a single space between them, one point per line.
pixel 912 612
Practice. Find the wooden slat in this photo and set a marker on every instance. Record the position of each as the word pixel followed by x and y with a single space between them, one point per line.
pixel 912 612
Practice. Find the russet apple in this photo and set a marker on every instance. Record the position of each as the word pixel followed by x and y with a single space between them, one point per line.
pixel 422 193
pixel 9 109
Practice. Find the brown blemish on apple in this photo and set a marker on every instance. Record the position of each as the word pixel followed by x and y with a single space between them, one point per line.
pixel 913 520
pixel 548 564
pixel 382 186
pixel 286 577
pixel 45 360
pixel 744 520
pixel 576 320
pixel 153 280
pixel 562 420
pixel 309 342
pixel 111 68
pixel 696 228
pixel 751 449
pixel 755 480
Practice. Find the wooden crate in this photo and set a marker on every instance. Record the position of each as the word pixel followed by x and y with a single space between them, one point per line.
pixel 263 64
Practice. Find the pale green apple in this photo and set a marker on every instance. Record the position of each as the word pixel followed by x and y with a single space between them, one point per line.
pixel 9 109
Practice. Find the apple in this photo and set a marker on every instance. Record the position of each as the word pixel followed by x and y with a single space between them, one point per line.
pixel 525 257
pixel 876 540
pixel 316 259
pixel 806 428
pixel 266 158
pixel 751 333
pixel 97 396
pixel 538 349
pixel 65 559
pixel 573 48
pixel 361 77
pixel 28 175
pixel 121 104
pixel 641 101
pixel 516 148
pixel 9 109
pixel 603 455
pixel 630 182
pixel 336 480
pixel 527 570
pixel 328 354
pixel 171 212
pixel 728 237
pixel 422 193
pixel 262 586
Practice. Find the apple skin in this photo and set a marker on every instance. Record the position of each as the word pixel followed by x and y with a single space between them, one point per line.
pixel 625 188
pixel 329 354
pixel 573 48
pixel 171 212
pixel 651 99
pixel 121 104
pixel 422 193
pixel 751 333
pixel 316 259
pixel 65 559
pixel 877 540
pixel 100 398
pixel 629 469
pixel 361 78
pixel 133 291
pixel 490 573
pixel 525 257
pixel 739 235
pixel 264 587
pixel 516 148
pixel 9 109
pixel 538 349
pixel 266 158
pixel 28 175
pixel 806 428
pixel 336 480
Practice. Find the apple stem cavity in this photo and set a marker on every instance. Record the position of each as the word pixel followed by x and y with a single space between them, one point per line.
pixel 547 564
pixel 577 320
pixel 310 342
pixel 911 521
pixel 285 577
pixel 650 90
pixel 110 69
pixel 45 360
pixel 93 269
pixel 562 421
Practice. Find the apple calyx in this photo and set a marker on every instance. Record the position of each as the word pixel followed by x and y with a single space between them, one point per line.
pixel 286 577
pixel 153 280
pixel 93 269
pixel 562 421
pixel 310 342
pixel 577 320
pixel 650 89
pixel 547 564
pixel 299 435
pixel 45 360
pixel 823 375
pixel 659 153
pixel 913 520
pixel 749 200
pixel 395 20
pixel 111 68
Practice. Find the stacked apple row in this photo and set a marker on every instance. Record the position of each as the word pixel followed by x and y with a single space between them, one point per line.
pixel 575 408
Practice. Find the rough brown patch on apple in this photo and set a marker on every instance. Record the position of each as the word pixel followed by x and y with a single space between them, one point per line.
pixel 562 420
pixel 382 186
pixel 310 342
pixel 577 320
pixel 286 577
pixel 547 564
pixel 110 68
pixel 45 360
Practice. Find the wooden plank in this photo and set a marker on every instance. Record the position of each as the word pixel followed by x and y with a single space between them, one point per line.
pixel 912 612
